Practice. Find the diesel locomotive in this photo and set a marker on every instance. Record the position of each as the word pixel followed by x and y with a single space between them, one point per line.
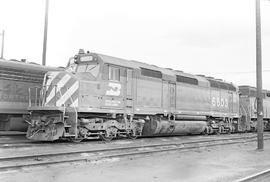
pixel 100 96
pixel 15 79
pixel 248 108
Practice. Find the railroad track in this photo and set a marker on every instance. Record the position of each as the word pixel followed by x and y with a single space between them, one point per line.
pixel 260 176
pixel 23 143
pixel 47 158
pixel 29 143
pixel 12 133
pixel 6 140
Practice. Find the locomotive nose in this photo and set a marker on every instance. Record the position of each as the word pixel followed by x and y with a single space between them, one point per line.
pixel 61 89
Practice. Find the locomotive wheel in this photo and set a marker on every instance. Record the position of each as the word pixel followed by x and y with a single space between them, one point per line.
pixel 206 131
pixel 216 132
pixel 109 134
pixel 105 138
pixel 77 140
pixel 132 136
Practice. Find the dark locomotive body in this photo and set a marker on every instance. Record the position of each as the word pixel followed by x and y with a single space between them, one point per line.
pixel 108 97
pixel 248 108
pixel 15 79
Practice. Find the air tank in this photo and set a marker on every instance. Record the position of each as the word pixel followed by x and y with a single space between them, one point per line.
pixel 190 118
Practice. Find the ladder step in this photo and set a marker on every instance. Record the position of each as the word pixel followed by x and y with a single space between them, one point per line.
pixel 67 126
pixel 69 135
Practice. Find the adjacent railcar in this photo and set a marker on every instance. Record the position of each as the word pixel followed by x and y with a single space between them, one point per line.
pixel 15 79
pixel 248 107
pixel 105 97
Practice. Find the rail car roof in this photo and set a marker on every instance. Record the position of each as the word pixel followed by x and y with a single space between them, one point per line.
pixel 249 90
pixel 25 66
pixel 243 87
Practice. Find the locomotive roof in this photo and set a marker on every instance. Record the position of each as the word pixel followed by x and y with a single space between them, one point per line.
pixel 203 81
pixel 173 74
pixel 132 64
pixel 138 65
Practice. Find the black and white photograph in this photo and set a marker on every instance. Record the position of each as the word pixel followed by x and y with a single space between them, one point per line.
pixel 134 90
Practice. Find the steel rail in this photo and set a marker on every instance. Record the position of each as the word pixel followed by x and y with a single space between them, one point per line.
pixel 255 176
pixel 99 154
pixel 27 143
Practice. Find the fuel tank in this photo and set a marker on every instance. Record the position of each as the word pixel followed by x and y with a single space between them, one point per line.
pixel 166 127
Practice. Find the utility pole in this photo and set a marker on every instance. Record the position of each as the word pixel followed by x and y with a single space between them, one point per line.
pixel 259 78
pixel 2 47
pixel 45 34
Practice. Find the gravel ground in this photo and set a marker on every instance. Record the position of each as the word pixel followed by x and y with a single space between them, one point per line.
pixel 221 163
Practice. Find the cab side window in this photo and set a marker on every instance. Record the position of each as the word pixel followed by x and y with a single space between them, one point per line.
pixel 114 73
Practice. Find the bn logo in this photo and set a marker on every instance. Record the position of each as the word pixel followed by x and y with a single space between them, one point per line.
pixel 114 89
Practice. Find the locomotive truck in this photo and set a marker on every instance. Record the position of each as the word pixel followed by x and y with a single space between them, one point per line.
pixel 15 79
pixel 100 96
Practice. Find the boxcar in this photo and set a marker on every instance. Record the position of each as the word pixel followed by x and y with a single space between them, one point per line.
pixel 248 107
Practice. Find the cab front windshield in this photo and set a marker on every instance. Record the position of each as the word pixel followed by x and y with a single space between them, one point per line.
pixel 89 68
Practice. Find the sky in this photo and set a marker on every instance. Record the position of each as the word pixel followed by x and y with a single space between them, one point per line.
pixel 210 37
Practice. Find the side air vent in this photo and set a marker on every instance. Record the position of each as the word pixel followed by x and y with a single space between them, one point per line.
pixel 188 80
pixel 151 73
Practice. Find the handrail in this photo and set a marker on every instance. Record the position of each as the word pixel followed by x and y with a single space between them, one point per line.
pixel 72 101
pixel 29 97
pixel 36 98
pixel 40 99
pixel 61 96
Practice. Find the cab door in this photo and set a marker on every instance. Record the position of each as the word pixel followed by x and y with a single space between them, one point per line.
pixel 172 98
pixel 230 102
pixel 113 88
pixel 129 96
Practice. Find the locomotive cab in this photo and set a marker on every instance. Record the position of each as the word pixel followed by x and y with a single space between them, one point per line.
pixel 84 65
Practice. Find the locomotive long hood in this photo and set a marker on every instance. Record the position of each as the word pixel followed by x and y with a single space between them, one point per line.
pixel 61 88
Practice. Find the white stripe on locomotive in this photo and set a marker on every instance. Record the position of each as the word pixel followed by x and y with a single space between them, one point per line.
pixel 60 84
pixel 63 81
pixel 51 78
pixel 75 103
pixel 68 94
pixel 51 75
